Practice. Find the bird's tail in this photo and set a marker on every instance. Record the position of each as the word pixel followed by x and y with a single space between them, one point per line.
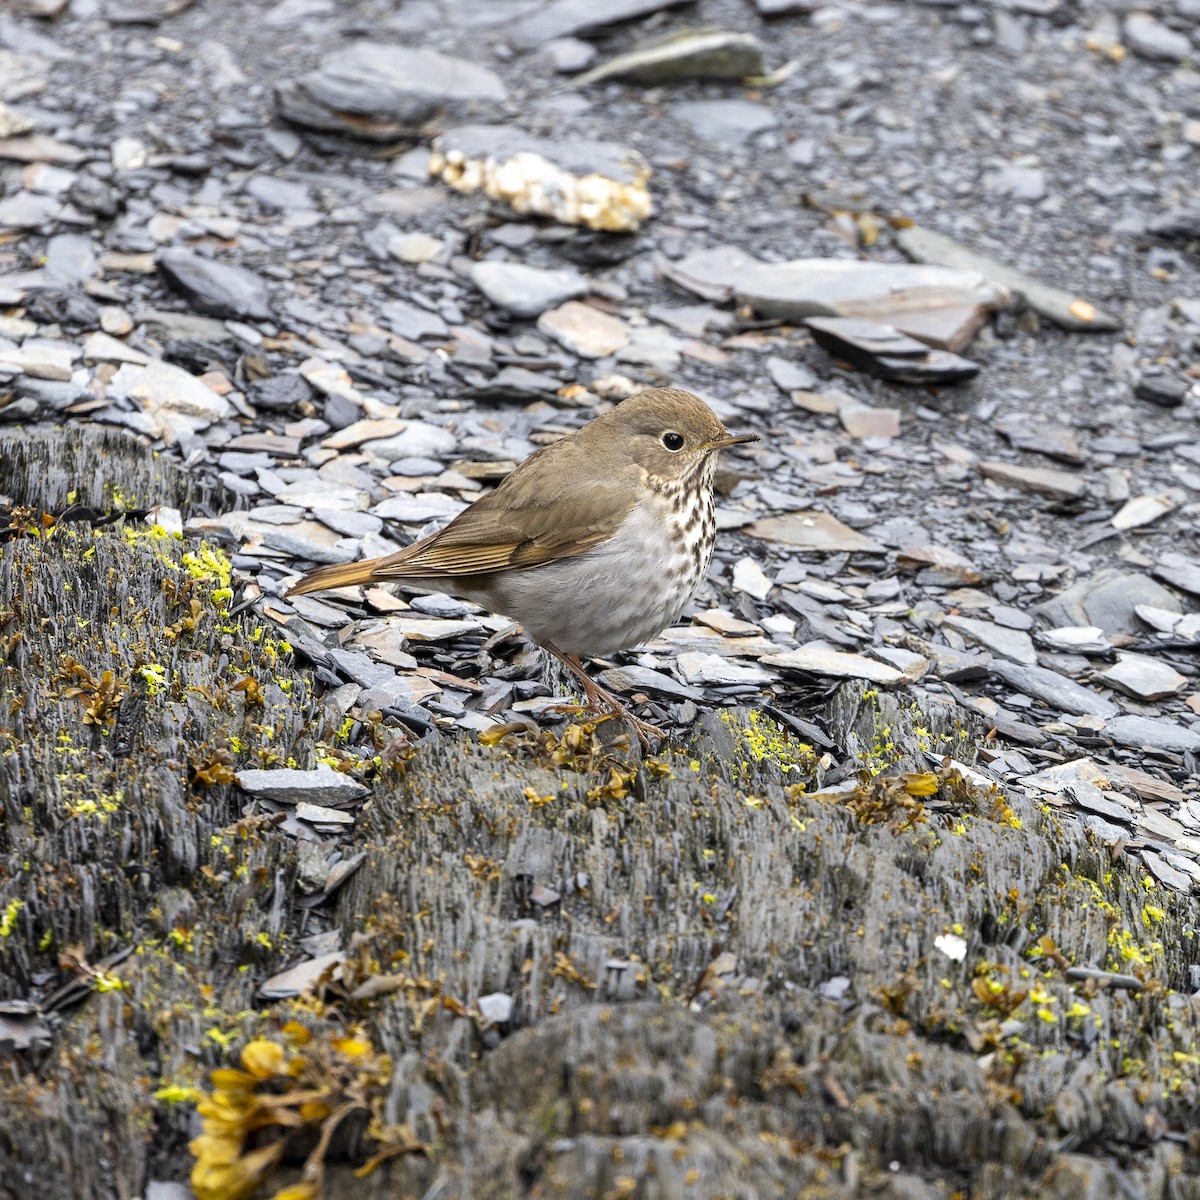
pixel 336 576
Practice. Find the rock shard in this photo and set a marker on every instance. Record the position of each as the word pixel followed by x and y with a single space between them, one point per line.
pixel 1063 308
pixel 709 55
pixel 941 306
pixel 384 92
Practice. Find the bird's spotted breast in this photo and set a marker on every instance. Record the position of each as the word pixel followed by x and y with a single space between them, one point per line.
pixel 616 595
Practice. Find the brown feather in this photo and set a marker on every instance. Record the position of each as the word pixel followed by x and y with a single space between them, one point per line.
pixel 537 515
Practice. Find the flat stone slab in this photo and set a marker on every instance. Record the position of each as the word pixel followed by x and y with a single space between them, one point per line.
pixel 1143 510
pixel 813 531
pixel 585 330
pixel 221 289
pixel 1045 481
pixel 526 291
pixel 886 352
pixel 1107 599
pixel 381 92
pixel 1146 733
pixel 1179 571
pixel 940 306
pixel 725 122
pixel 1053 689
pixel 1063 308
pixel 1008 643
pixel 1144 677
pixel 285 785
pixel 717 55
pixel 821 660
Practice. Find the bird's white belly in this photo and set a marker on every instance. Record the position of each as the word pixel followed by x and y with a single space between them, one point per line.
pixel 609 598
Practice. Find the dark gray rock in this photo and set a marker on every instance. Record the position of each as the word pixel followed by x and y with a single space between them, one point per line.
pixel 1163 388
pixel 883 351
pixel 526 291
pixel 1107 599
pixel 280 393
pixel 1053 689
pixel 1147 733
pixel 383 92
pixel 221 289
pixel 1180 571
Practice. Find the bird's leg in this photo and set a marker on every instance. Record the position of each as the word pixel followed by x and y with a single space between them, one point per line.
pixel 602 701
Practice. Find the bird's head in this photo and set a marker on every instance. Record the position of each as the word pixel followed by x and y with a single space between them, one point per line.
pixel 670 433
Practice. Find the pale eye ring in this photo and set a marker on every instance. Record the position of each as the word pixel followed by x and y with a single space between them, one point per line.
pixel 672 441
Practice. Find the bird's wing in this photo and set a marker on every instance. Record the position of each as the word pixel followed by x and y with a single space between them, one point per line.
pixel 537 515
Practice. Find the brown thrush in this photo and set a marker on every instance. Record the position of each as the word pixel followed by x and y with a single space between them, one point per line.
pixel 594 543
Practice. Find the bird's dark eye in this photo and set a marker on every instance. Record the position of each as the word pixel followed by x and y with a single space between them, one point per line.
pixel 673 441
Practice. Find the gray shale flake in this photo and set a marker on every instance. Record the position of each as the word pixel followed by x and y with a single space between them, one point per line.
pixel 598 184
pixel 943 307
pixel 725 122
pixel 1061 485
pixel 1144 677
pixel 818 659
pixel 1107 599
pixel 1142 510
pixel 1146 733
pixel 1053 689
pixel 585 330
pixel 643 679
pixel 886 352
pixel 717 55
pixel 1008 643
pixel 221 289
pixel 810 530
pixel 1179 571
pixel 1071 312
pixel 285 785
pixel 382 92
pixel 526 291
pixel 1150 38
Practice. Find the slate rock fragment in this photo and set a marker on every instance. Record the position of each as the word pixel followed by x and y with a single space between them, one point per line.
pixel 1061 307
pixel 940 306
pixel 221 289
pixel 883 351
pixel 287 785
pixel 382 92
pixel 708 55
pixel 526 291
pixel 1108 599
pixel 1053 689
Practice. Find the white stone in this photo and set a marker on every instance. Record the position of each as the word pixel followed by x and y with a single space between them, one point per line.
pixel 748 577
pixel 99 347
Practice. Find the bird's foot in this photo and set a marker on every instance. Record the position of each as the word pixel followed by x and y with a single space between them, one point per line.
pixel 605 704
pixel 604 712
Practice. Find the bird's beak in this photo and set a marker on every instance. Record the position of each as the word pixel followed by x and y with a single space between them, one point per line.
pixel 738 439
